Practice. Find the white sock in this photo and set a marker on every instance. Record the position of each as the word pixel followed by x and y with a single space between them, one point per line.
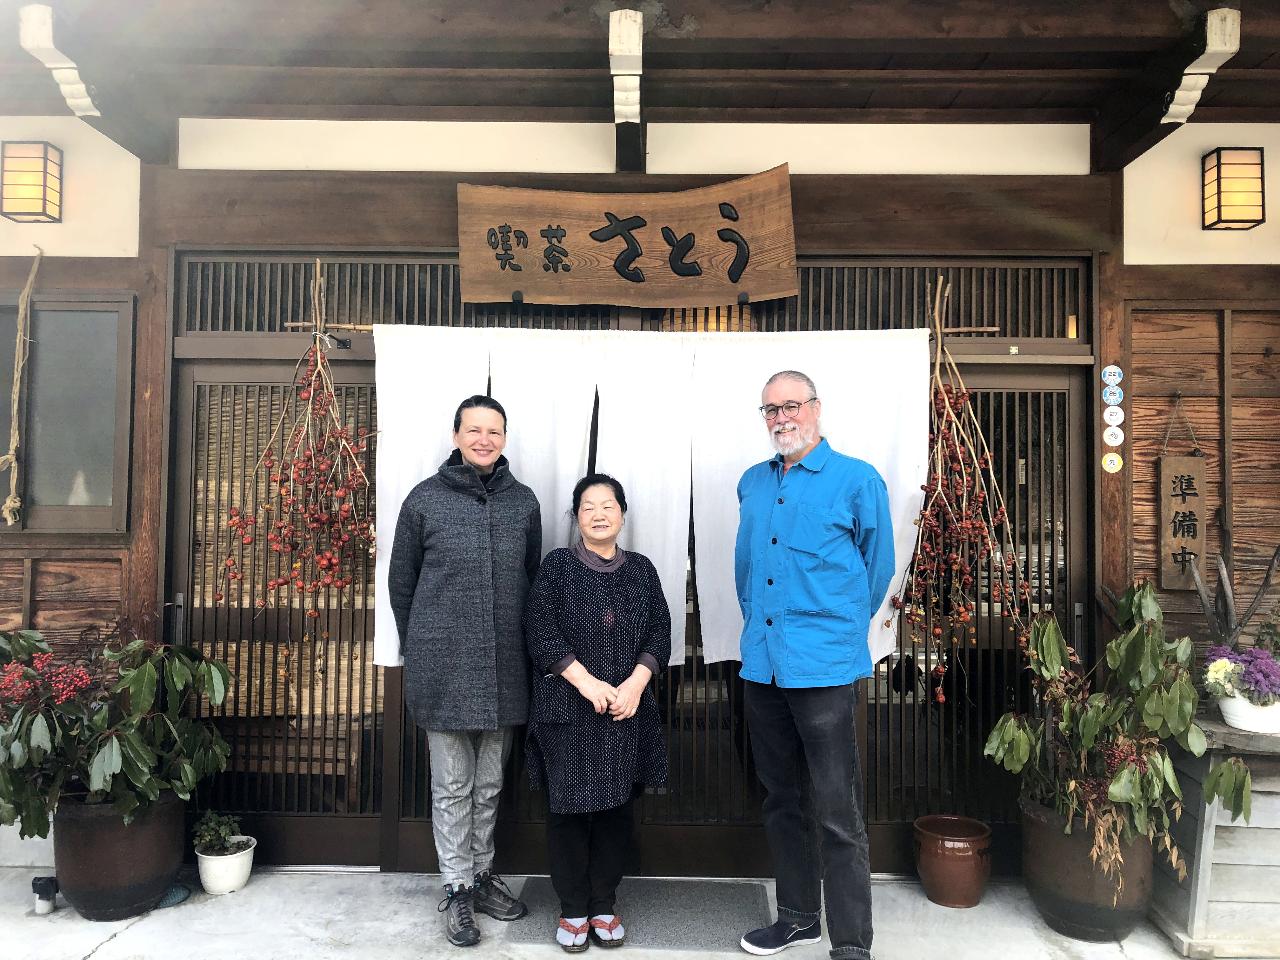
pixel 617 933
pixel 567 939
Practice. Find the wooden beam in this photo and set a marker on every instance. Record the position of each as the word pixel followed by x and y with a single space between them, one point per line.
pixel 1136 118
pixel 380 30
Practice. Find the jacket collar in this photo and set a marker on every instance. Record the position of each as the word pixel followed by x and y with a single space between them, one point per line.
pixel 457 474
pixel 813 461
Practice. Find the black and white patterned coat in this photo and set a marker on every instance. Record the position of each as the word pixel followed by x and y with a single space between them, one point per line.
pixel 588 761
pixel 462 560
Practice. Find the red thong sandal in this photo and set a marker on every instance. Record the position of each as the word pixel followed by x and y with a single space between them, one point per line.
pixel 574 930
pixel 609 925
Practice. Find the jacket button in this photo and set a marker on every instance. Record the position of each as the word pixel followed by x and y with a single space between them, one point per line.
pixel 481 500
pixel 780 500
pixel 769 622
pixel 774 540
pixel 770 583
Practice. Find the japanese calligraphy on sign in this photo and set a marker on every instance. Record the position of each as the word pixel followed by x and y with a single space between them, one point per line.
pixel 1184 514
pixel 712 246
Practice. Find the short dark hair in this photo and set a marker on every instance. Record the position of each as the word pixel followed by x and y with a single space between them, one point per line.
pixel 478 400
pixel 591 480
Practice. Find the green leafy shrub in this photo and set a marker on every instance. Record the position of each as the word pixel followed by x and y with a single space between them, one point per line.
pixel 118 730
pixel 1101 756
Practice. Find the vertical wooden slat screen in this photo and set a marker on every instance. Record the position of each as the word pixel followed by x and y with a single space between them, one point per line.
pixel 304 715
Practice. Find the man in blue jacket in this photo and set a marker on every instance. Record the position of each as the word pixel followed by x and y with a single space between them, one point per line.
pixel 813 561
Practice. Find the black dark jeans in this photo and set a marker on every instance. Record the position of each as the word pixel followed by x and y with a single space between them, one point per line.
pixel 587 854
pixel 807 759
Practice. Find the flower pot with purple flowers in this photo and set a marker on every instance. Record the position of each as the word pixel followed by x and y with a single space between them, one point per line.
pixel 1246 682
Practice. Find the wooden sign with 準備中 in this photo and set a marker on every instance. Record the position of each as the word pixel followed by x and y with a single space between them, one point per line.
pixel 707 247
pixel 1184 515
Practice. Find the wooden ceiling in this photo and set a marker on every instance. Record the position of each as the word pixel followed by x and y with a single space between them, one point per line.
pixel 152 61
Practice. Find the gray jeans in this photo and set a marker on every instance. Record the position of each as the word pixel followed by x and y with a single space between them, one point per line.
pixel 466 778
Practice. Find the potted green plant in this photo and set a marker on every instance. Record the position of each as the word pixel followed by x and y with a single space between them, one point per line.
pixel 223 854
pixel 1098 784
pixel 107 751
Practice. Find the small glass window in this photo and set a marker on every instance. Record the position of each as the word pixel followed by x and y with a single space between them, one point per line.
pixel 73 459
pixel 72 409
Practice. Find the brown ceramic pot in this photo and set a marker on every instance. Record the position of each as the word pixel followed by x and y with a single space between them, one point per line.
pixel 1067 888
pixel 953 858
pixel 110 870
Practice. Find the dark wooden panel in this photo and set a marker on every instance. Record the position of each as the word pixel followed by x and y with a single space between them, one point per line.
pixel 1215 282
pixel 71 274
pixel 1256 373
pixel 948 214
pixel 1254 418
pixel 1183 332
pixel 1143 462
pixel 63 625
pixel 77 581
pixel 1163 374
pixel 1255 331
pixel 1256 459
pixel 1256 504
pixel 11 574
pixel 393 32
pixel 10 618
pixel 1149 419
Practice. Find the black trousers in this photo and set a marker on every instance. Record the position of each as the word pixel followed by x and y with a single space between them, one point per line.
pixel 807 759
pixel 587 854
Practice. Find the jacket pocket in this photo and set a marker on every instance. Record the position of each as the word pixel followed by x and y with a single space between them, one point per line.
pixel 554 700
pixel 823 645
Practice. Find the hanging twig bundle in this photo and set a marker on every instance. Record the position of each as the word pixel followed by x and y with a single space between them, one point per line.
pixel 963 525
pixel 315 465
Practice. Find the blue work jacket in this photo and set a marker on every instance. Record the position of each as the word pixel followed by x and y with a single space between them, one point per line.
pixel 813 561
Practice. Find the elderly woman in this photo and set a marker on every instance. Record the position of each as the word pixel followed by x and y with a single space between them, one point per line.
pixel 597 627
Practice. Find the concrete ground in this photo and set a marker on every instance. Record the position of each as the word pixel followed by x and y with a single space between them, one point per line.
pixel 288 914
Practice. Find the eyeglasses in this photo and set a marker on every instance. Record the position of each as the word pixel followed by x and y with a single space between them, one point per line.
pixel 790 408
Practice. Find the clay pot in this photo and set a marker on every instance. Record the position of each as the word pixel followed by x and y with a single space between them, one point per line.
pixel 1070 892
pixel 953 858
pixel 110 870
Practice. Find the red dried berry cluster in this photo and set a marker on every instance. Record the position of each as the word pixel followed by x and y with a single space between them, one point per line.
pixel 318 524
pixel 959 529
pixel 14 685
pixel 60 682
pixel 1122 753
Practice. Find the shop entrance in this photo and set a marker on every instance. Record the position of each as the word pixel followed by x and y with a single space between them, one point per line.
pixel 327 768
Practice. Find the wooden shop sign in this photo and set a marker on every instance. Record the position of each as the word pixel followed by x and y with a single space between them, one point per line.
pixel 711 246
pixel 1183 517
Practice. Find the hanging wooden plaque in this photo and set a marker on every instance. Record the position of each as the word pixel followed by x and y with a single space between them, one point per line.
pixel 712 246
pixel 1184 514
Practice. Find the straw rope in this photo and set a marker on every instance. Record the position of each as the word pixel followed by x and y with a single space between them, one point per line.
pixel 13 503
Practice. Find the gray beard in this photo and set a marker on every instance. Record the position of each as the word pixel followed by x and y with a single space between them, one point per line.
pixel 794 441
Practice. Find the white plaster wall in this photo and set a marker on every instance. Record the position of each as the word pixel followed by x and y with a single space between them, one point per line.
pixel 689 148
pixel 429 145
pixel 101 187
pixel 1162 199
pixel 16 852
pixel 871 148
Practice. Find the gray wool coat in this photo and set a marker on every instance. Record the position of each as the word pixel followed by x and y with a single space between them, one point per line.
pixel 464 554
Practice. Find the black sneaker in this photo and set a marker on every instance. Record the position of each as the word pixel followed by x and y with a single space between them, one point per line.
pixel 459 921
pixel 493 897
pixel 779 936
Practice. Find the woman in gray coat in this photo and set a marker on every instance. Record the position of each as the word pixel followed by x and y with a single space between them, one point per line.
pixel 466 547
